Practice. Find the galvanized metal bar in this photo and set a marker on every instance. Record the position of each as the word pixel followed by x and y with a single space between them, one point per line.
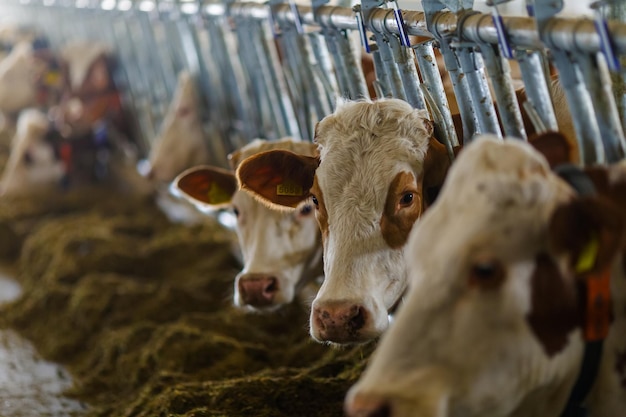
pixel 591 149
pixel 598 83
pixel 538 92
pixel 323 70
pixel 461 91
pixel 405 62
pixel 341 75
pixel 564 33
pixel 382 85
pixel 352 65
pixel 472 65
pixel 500 73
pixel 431 76
pixel 391 69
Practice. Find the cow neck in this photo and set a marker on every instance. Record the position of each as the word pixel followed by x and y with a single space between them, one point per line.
pixel 592 355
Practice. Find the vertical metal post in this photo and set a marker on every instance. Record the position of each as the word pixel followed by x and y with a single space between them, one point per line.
pixel 432 82
pixel 500 73
pixel 538 94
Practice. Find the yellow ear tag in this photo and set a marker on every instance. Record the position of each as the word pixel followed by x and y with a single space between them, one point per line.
pixel 217 195
pixel 289 188
pixel 52 78
pixel 587 258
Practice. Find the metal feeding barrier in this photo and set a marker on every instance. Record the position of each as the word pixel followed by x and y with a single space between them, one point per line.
pixel 274 69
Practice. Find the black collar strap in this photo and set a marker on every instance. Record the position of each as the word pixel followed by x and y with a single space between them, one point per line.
pixel 592 356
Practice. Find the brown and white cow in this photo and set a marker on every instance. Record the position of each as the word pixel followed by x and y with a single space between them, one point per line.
pixel 506 269
pixel 378 162
pixel 281 249
pixel 86 133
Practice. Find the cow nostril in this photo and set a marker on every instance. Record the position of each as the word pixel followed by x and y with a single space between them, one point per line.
pixel 271 287
pixel 368 407
pixel 357 321
pixel 384 410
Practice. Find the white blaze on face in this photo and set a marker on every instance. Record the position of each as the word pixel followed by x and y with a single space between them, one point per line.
pixel 17 78
pixel 181 142
pixel 461 343
pixel 32 164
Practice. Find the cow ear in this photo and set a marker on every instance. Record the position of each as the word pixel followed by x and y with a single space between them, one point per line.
pixel 278 177
pixel 206 185
pixel 436 165
pixel 590 230
pixel 554 146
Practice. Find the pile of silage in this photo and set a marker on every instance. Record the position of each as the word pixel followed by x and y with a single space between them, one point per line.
pixel 139 310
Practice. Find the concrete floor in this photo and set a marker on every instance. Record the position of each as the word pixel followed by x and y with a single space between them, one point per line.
pixel 29 385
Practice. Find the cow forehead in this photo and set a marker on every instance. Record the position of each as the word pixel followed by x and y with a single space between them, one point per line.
pixel 364 147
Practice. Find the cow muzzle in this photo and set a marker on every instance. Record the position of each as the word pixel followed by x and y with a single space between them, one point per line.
pixel 340 322
pixel 257 290
pixel 367 406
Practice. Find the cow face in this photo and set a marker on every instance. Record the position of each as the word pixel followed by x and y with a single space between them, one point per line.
pixel 376 160
pixel 281 249
pixel 492 323
pixel 32 166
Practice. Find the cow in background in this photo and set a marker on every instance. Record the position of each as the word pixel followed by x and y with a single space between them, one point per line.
pixel 281 248
pixel 89 132
pixel 378 170
pixel 511 273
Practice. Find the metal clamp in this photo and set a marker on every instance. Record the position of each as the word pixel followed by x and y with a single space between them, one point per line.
pixel 498 23
pixel 296 17
pixel 607 46
pixel 404 36
pixel 361 25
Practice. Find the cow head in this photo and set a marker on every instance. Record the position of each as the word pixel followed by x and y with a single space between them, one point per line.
pixel 181 142
pixel 32 164
pixel 90 103
pixel 492 324
pixel 280 248
pixel 377 165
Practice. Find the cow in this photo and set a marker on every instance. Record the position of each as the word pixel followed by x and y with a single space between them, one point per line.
pixel 32 165
pixel 510 274
pixel 87 132
pixel 169 156
pixel 379 167
pixel 281 249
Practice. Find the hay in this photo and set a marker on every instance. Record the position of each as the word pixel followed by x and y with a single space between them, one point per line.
pixel 139 310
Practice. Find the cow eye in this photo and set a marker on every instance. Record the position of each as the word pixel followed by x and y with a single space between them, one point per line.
pixel 406 199
pixel 236 211
pixel 314 199
pixel 487 274
pixel 306 209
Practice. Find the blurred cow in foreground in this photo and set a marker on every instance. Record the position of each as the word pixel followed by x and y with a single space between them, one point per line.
pixel 281 248
pixel 517 283
pixel 379 168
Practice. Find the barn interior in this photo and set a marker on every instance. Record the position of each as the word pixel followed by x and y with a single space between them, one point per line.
pixel 116 297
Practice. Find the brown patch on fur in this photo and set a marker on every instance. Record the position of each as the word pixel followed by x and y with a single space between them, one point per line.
pixel 555 309
pixel 262 173
pixel 574 224
pixel 554 146
pixel 436 165
pixel 397 220
pixel 320 211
